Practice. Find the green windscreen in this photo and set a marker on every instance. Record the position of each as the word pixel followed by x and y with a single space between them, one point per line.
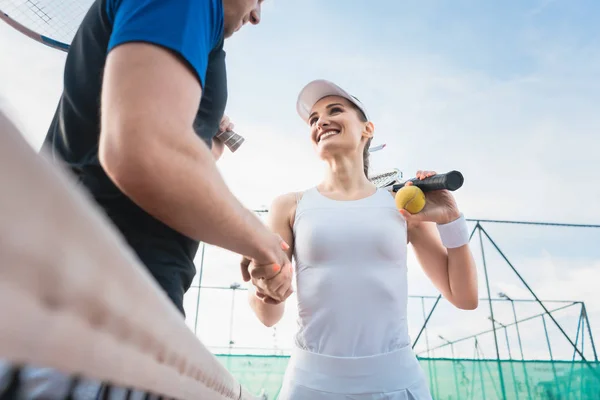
pixel 452 379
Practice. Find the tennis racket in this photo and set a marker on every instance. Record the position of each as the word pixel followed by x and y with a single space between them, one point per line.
pixel 452 181
pixel 373 149
pixel 386 179
pixel 232 140
pixel 391 180
pixel 50 22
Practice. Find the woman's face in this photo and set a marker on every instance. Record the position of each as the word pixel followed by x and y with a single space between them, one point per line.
pixel 336 128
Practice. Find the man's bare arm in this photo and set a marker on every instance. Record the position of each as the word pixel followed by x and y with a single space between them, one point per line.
pixel 149 149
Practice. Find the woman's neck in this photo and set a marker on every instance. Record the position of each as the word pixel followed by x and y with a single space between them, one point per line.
pixel 346 176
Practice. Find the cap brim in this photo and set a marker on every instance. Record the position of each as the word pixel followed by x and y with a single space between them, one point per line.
pixel 318 89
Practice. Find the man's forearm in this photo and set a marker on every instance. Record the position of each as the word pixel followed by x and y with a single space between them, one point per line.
pixel 179 183
pixel 148 147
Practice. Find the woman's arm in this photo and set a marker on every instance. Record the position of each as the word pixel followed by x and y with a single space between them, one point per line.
pixel 439 237
pixel 452 271
pixel 281 215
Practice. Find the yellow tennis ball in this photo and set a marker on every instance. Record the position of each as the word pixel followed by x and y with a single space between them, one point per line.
pixel 410 198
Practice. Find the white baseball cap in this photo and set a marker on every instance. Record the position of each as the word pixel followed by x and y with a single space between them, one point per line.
pixel 316 90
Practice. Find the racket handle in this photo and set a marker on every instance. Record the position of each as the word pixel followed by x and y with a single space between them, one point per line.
pixel 232 140
pixel 452 180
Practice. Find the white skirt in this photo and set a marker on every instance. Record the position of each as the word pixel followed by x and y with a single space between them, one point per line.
pixel 391 376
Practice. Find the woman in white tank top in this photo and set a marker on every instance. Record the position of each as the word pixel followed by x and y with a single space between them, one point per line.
pixel 349 243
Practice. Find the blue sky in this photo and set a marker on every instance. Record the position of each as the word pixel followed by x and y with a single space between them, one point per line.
pixel 505 92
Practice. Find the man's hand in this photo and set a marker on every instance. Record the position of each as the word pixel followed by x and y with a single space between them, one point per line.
pixel 217 145
pixel 272 278
pixel 226 124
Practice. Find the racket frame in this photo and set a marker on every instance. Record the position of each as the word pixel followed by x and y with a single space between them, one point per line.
pixel 394 177
pixel 55 44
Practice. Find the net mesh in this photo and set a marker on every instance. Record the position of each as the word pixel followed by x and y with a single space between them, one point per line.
pixel 452 379
pixel 55 19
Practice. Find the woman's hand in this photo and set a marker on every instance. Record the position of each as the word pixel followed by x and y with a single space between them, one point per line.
pixel 440 206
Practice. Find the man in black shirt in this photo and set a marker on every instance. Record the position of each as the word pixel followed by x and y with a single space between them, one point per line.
pixel 145 89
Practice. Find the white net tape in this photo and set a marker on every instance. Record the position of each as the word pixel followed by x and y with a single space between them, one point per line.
pixel 79 301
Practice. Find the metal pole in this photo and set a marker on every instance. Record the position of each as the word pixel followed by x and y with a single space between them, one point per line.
pixel 551 357
pixel 472 392
pixel 199 287
pixel 487 284
pixel 579 329
pixel 587 322
pixel 514 310
pixel 431 380
pixel 453 364
pixel 512 367
pixel 479 362
pixel 525 376
pixel 540 303
pixel 426 321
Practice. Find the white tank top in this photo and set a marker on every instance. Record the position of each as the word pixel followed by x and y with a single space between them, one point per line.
pixel 351 275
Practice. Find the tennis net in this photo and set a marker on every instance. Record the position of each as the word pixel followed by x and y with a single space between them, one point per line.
pixel 56 251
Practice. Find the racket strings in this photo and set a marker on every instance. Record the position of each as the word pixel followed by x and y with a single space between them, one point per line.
pixel 55 19
pixel 385 178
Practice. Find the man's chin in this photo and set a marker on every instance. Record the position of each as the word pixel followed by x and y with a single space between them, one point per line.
pixel 228 33
pixel 230 30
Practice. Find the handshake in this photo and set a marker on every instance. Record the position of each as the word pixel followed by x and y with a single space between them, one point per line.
pixel 271 276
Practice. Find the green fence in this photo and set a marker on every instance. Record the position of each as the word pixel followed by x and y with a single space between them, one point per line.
pixel 452 379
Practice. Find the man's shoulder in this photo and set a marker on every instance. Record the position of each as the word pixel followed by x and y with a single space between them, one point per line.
pixel 190 28
pixel 168 14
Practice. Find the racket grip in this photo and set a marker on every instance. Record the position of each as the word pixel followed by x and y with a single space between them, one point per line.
pixel 232 140
pixel 452 180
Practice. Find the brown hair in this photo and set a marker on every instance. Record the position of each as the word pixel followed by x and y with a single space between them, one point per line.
pixel 363 118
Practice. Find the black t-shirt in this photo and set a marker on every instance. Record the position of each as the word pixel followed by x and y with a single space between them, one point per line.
pixel 192 29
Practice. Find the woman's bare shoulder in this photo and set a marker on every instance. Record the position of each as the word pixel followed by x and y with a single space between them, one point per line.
pixel 284 205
